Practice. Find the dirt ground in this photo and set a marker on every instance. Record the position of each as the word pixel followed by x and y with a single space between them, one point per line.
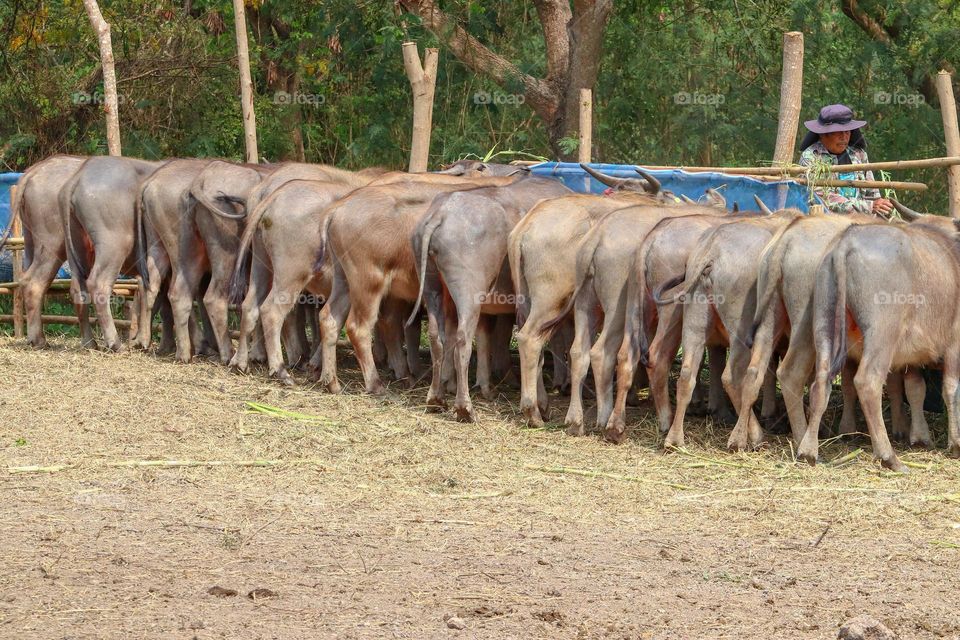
pixel 381 520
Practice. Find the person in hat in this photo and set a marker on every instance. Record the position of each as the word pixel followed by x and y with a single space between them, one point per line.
pixel 835 138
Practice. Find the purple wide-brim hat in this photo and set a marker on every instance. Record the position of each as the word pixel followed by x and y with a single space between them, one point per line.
pixel 834 117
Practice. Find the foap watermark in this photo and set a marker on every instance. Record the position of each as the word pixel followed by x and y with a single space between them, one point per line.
pixel 495 297
pixel 899 99
pixel 97 97
pixel 699 297
pixel 298 98
pixel 899 298
pixel 697 98
pixel 97 299
pixel 303 297
pixel 485 97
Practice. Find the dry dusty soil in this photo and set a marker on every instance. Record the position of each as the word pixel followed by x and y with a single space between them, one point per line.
pixel 375 519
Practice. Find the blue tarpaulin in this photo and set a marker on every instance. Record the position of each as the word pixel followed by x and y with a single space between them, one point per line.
pixel 7 180
pixel 735 189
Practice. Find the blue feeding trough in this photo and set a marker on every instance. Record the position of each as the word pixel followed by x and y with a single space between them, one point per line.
pixel 8 180
pixel 737 190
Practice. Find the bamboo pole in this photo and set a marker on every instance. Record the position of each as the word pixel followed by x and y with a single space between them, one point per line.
pixel 890 165
pixel 17 257
pixel 246 84
pixel 586 126
pixel 951 134
pixel 72 320
pixel 110 106
pixel 863 184
pixel 791 93
pixel 423 80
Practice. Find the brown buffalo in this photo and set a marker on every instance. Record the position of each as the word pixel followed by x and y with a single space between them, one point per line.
pixel 368 234
pixel 885 296
pixel 35 202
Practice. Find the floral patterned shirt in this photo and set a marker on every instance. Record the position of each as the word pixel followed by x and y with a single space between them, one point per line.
pixel 842 199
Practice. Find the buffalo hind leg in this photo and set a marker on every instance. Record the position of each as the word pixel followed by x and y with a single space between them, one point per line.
pixel 583 329
pixel 916 390
pixel 332 318
pixel 696 321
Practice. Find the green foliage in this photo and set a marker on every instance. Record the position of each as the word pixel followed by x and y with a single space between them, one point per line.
pixel 694 82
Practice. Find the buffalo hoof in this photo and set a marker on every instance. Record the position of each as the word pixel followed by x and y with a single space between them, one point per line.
pixel 283 377
pixel 465 413
pixel 487 393
pixel 436 405
pixel 615 434
pixel 575 429
pixel 40 343
pixel 893 463
pixel 332 386
pixel 737 442
pixel 672 442
pixel 239 365
pixel 377 389
pixel 922 443
pixel 532 416
pixel 953 450
pixel 807 454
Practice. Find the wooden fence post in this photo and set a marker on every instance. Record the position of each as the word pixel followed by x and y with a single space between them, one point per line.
pixel 423 82
pixel 246 84
pixel 791 94
pixel 586 125
pixel 16 255
pixel 951 134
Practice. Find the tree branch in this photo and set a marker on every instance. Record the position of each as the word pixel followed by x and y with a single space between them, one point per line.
pixel 851 8
pixel 538 93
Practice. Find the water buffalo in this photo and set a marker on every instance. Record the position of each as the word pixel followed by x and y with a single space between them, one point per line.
pixel 604 261
pixel 542 252
pixel 885 295
pixel 283 233
pixel 208 243
pixel 719 297
pixel 462 242
pixel 785 282
pixel 661 257
pixel 368 234
pixel 35 202
pixel 158 221
pixel 97 206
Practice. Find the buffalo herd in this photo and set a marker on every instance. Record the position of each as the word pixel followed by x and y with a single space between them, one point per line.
pixel 621 283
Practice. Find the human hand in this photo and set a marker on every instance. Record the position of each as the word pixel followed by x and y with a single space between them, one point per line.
pixel 882 206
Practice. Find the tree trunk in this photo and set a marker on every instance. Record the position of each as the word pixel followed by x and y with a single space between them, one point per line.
pixel 423 80
pixel 246 84
pixel 110 106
